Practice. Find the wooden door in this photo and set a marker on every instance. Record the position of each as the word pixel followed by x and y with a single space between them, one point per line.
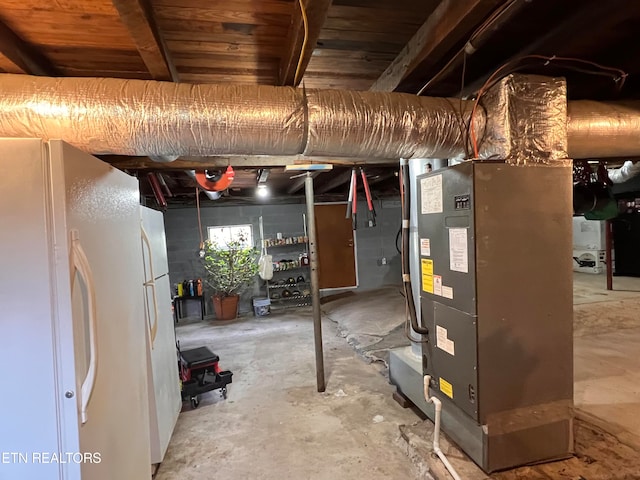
pixel 335 246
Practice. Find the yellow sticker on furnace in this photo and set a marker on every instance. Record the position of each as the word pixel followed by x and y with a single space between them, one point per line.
pixel 446 388
pixel 427 267
pixel 427 275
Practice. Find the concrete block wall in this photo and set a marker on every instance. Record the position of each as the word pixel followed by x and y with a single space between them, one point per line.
pixel 373 244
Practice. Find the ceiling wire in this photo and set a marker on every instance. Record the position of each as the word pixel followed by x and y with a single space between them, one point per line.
pixel 199 219
pixel 305 22
pixel 484 26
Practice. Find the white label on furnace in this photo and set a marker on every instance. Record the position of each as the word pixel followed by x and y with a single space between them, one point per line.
pixel 447 292
pixel 425 247
pixel 431 191
pixel 437 285
pixel 442 342
pixel 458 256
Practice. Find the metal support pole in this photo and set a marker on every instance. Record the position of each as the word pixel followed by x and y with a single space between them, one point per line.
pixel 315 289
pixel 609 247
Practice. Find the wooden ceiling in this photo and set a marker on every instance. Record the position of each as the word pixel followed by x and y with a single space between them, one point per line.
pixel 384 45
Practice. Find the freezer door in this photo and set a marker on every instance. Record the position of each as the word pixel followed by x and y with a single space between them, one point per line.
pixel 103 220
pixel 153 223
pixel 164 385
pixel 38 410
pixel 164 400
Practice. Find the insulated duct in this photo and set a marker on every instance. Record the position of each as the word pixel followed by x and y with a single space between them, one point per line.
pixel 165 120
pixel 627 171
pixel 158 119
pixel 603 129
pixel 208 193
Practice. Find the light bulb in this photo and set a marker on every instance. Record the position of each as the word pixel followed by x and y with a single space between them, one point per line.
pixel 262 191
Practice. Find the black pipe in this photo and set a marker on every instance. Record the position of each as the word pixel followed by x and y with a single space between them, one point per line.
pixel 406 278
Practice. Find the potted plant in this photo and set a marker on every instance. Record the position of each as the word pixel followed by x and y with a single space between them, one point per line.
pixel 229 267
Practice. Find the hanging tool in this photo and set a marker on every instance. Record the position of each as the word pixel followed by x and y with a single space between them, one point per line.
pixel 371 213
pixel 352 201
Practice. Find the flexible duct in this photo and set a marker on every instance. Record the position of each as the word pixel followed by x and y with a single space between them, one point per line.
pixel 210 194
pixel 167 120
pixel 601 129
pixel 136 117
pixel 625 172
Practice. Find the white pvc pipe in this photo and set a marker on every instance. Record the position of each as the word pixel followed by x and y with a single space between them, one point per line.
pixel 436 429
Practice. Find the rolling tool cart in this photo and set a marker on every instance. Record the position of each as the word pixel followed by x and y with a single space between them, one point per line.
pixel 200 373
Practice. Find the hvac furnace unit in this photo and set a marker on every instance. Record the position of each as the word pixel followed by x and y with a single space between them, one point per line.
pixel 496 295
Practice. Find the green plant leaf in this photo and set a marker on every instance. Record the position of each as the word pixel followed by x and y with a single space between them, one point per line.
pixel 229 267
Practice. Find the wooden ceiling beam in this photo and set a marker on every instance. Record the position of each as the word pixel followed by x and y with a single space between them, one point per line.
pixel 382 177
pixel 316 12
pixel 555 40
pixel 298 183
pixel 24 55
pixel 124 162
pixel 336 181
pixel 137 17
pixel 450 22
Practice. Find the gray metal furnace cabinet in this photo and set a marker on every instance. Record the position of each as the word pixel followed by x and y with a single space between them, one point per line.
pixel 496 295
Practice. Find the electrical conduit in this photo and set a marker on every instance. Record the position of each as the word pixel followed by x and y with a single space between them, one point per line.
pixel 406 277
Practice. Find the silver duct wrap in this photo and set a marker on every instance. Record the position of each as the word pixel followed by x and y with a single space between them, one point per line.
pixel 365 124
pixel 526 121
pixel 166 120
pixel 135 117
pixel 599 129
pixel 627 171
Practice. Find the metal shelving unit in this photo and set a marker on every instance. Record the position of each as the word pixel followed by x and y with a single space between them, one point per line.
pixel 284 290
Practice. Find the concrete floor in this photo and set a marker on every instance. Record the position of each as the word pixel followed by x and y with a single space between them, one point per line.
pixel 275 425
pixel 606 354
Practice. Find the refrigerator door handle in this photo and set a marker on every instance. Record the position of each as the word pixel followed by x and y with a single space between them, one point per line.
pixel 80 264
pixel 153 329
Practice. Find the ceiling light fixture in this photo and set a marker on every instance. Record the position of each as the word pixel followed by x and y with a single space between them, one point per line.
pixel 262 191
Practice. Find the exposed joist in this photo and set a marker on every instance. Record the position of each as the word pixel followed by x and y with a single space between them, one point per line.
pixel 316 12
pixel 24 55
pixel 298 183
pixel 137 17
pixel 195 163
pixel 382 177
pixel 340 179
pixel 448 23
pixel 556 40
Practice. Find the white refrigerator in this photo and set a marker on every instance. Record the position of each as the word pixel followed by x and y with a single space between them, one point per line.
pixel 162 362
pixel 73 358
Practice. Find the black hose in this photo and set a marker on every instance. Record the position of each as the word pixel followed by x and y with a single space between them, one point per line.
pixel 398 238
pixel 406 203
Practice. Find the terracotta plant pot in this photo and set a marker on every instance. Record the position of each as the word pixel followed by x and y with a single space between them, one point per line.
pixel 226 308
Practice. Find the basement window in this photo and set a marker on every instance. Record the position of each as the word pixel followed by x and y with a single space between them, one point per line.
pixel 223 235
